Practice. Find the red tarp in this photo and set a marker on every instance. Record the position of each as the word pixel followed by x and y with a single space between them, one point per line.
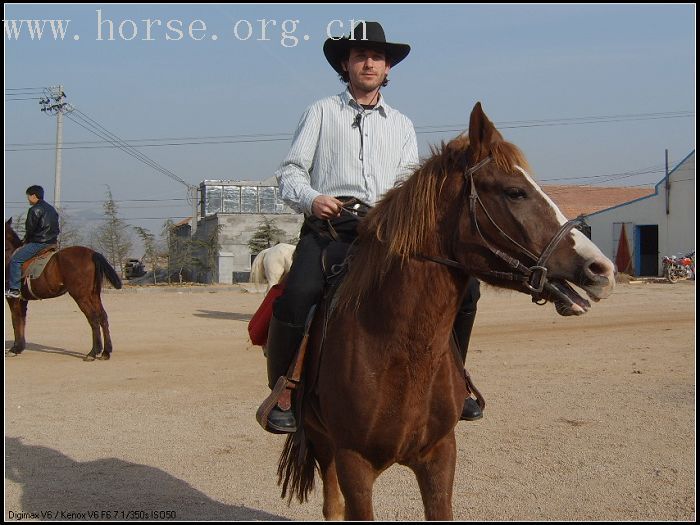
pixel 623 259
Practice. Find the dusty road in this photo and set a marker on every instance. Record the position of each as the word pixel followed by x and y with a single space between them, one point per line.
pixel 590 418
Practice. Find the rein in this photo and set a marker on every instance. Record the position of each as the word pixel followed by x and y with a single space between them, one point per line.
pixel 534 278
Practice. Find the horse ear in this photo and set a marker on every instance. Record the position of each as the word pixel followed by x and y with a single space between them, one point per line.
pixel 8 222
pixel 482 132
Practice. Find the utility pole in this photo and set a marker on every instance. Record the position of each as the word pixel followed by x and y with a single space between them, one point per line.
pixel 668 188
pixel 195 204
pixel 54 104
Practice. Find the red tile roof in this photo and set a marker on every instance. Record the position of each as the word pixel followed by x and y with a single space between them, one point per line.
pixel 576 200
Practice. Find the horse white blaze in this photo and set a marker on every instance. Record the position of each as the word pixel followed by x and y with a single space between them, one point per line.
pixel 582 246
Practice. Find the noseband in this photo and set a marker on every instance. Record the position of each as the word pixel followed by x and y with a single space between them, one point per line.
pixel 534 278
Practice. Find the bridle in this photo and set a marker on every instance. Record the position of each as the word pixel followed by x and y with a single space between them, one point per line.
pixel 534 278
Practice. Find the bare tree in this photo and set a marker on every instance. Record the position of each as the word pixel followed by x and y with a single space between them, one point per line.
pixel 18 224
pixel 150 249
pixel 112 237
pixel 71 234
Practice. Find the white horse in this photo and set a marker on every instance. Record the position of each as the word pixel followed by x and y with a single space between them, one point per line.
pixel 271 264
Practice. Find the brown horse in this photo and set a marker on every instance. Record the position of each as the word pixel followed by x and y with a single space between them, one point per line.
pixel 76 270
pixel 384 388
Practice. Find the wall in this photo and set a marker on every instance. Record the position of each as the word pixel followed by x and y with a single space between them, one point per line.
pixel 237 230
pixel 676 229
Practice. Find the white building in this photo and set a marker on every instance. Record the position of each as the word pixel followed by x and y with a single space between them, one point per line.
pixel 659 224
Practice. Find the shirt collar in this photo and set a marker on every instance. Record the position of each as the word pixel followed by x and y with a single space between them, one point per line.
pixel 348 100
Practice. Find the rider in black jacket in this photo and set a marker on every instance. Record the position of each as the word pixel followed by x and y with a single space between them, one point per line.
pixel 41 230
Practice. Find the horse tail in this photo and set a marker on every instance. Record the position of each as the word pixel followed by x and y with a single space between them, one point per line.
pixel 106 269
pixel 296 468
pixel 257 270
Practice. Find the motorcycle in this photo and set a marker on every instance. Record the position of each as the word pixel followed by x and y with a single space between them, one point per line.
pixel 677 268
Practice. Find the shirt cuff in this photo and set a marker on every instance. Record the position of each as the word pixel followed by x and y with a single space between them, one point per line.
pixel 307 200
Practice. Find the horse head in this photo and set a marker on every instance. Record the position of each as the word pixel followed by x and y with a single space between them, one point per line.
pixel 510 233
pixel 12 241
pixel 474 206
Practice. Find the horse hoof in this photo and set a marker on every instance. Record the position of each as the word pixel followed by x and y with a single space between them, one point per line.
pixel 104 356
pixel 89 358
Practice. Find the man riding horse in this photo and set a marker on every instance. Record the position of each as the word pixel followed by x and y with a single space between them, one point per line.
pixel 41 231
pixel 348 147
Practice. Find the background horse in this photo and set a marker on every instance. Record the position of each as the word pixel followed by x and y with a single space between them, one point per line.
pixel 271 264
pixel 76 270
pixel 387 386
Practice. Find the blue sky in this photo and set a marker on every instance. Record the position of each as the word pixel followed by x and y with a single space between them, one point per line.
pixel 529 65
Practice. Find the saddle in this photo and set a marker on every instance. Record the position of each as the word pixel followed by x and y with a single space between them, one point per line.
pixel 32 268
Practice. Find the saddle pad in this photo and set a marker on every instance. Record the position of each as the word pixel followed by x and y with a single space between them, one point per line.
pixel 34 266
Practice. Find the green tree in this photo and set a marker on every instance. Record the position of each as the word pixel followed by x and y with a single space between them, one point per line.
pixel 177 252
pixel 150 248
pixel 112 238
pixel 266 236
pixel 205 251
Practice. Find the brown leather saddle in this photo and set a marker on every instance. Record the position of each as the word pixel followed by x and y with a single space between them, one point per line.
pixel 32 268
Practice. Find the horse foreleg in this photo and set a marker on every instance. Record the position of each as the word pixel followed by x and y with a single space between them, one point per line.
pixel 356 477
pixel 435 472
pixel 18 309
pixel 333 503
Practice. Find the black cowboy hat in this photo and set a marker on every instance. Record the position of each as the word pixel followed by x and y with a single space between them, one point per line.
pixel 373 35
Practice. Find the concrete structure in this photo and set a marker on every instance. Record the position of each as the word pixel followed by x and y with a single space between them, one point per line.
pixel 230 213
pixel 637 234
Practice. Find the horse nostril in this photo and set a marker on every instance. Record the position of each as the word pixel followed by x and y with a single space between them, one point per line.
pixel 599 270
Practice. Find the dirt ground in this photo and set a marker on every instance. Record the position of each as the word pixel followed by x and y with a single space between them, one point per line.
pixel 589 418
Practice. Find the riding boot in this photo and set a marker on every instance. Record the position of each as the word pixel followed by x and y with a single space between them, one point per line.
pixel 471 411
pixel 283 341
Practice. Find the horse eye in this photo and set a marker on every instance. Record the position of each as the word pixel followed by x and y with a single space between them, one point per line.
pixel 515 193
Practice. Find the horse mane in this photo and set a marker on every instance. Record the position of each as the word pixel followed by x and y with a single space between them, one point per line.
pixel 405 220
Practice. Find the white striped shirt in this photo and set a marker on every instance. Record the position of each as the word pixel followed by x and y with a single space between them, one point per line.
pixel 327 156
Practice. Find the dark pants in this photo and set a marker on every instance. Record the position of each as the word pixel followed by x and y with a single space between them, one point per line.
pixel 305 281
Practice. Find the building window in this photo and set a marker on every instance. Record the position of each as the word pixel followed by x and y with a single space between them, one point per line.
pixel 212 199
pixel 268 200
pixel 232 199
pixel 249 199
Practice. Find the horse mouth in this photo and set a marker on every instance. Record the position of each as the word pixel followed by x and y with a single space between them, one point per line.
pixel 567 301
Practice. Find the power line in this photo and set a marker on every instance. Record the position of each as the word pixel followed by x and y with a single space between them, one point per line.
pixel 96 128
pixel 428 129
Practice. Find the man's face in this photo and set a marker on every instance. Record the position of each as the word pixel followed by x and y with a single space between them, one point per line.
pixel 367 68
pixel 33 199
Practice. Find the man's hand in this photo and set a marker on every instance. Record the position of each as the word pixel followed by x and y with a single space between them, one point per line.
pixel 326 207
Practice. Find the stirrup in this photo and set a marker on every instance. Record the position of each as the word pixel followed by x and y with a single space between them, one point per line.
pixel 281 396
